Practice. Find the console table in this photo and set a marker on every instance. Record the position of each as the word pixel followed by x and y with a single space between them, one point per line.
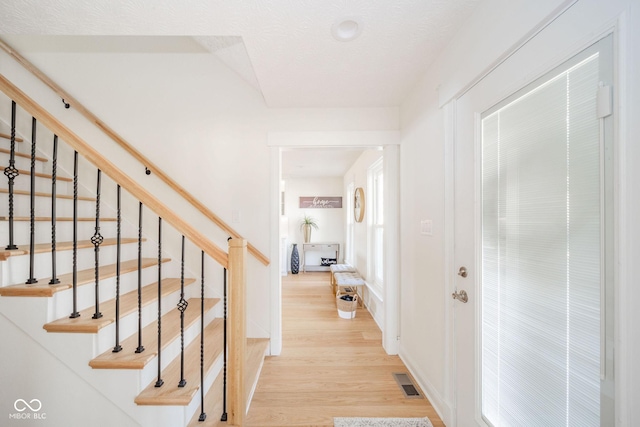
pixel 319 247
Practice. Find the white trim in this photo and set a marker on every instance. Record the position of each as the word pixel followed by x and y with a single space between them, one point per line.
pixel 349 240
pixel 625 312
pixel 449 258
pixel 367 303
pixel 391 250
pixel 442 408
pixel 373 289
pixel 275 343
pixel 542 25
pixel 477 267
pixel 371 198
pixel 390 303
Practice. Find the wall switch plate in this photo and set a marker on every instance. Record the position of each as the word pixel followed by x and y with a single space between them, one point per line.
pixel 426 227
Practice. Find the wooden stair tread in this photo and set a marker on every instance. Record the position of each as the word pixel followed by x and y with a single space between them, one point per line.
pixel 212 406
pixel 128 304
pixel 61 246
pixel 43 289
pixel 127 358
pixel 256 348
pixel 170 393
pixel 48 195
pixel 59 218
pixel 6 136
pixel 23 155
pixel 44 175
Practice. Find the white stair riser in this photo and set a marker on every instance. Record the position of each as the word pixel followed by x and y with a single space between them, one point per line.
pixel 158 415
pixel 22 163
pixel 64 231
pixel 194 406
pixel 150 371
pixel 16 269
pixel 42 207
pixel 23 182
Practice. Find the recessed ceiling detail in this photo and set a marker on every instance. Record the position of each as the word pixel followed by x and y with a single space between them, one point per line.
pixel 231 51
pixel 318 162
pixel 296 62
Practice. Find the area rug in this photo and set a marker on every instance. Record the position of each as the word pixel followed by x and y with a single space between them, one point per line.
pixel 381 422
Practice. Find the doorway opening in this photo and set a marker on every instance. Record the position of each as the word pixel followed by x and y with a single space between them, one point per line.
pixel 305 181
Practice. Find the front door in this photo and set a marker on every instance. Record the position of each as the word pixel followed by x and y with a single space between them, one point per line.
pixel 532 209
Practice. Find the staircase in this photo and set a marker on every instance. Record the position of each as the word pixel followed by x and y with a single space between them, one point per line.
pixel 91 303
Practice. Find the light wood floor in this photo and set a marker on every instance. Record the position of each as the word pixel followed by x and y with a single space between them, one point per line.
pixel 329 367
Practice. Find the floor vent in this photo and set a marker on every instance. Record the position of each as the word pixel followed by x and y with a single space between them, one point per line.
pixel 406 385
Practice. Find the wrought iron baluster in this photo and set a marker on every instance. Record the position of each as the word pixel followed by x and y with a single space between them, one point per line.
pixel 203 415
pixel 97 240
pixel 11 173
pixel 75 313
pixel 224 350
pixel 32 217
pixel 140 348
pixel 182 306
pixel 159 382
pixel 54 176
pixel 117 348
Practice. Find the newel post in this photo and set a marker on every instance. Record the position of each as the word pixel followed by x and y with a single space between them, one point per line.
pixel 237 330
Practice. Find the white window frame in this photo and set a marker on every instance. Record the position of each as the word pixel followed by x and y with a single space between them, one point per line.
pixel 349 249
pixel 375 224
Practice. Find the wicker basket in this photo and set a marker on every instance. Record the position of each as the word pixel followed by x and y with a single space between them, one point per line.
pixel 346 309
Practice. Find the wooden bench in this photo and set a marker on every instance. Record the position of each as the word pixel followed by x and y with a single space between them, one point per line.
pixel 348 282
pixel 339 268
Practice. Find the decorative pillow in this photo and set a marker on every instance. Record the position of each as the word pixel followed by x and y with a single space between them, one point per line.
pixel 328 261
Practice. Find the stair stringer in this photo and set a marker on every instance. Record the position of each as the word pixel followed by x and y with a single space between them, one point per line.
pixel 80 404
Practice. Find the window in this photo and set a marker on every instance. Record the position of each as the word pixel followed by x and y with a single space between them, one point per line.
pixel 349 241
pixel 376 223
pixel 282 198
pixel 542 252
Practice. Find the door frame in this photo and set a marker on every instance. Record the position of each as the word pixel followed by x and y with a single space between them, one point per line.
pixel 390 143
pixel 624 366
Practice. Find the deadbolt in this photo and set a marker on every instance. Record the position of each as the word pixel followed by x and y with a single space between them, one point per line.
pixel 462 272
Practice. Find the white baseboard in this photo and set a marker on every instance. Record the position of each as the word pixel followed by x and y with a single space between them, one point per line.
pixel 442 407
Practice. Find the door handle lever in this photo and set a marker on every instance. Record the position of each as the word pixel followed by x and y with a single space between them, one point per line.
pixel 460 296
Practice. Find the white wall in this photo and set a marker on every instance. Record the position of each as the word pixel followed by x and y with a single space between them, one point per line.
pixel 201 124
pixel 330 221
pixel 422 257
pixel 46 373
pixel 485 40
pixel 207 129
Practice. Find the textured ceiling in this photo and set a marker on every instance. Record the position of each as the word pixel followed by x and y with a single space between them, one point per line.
pixel 318 162
pixel 284 48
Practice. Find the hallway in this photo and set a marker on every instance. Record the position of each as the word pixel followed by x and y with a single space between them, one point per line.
pixel 328 366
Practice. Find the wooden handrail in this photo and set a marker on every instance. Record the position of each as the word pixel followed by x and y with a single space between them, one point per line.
pixel 130 149
pixel 112 171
